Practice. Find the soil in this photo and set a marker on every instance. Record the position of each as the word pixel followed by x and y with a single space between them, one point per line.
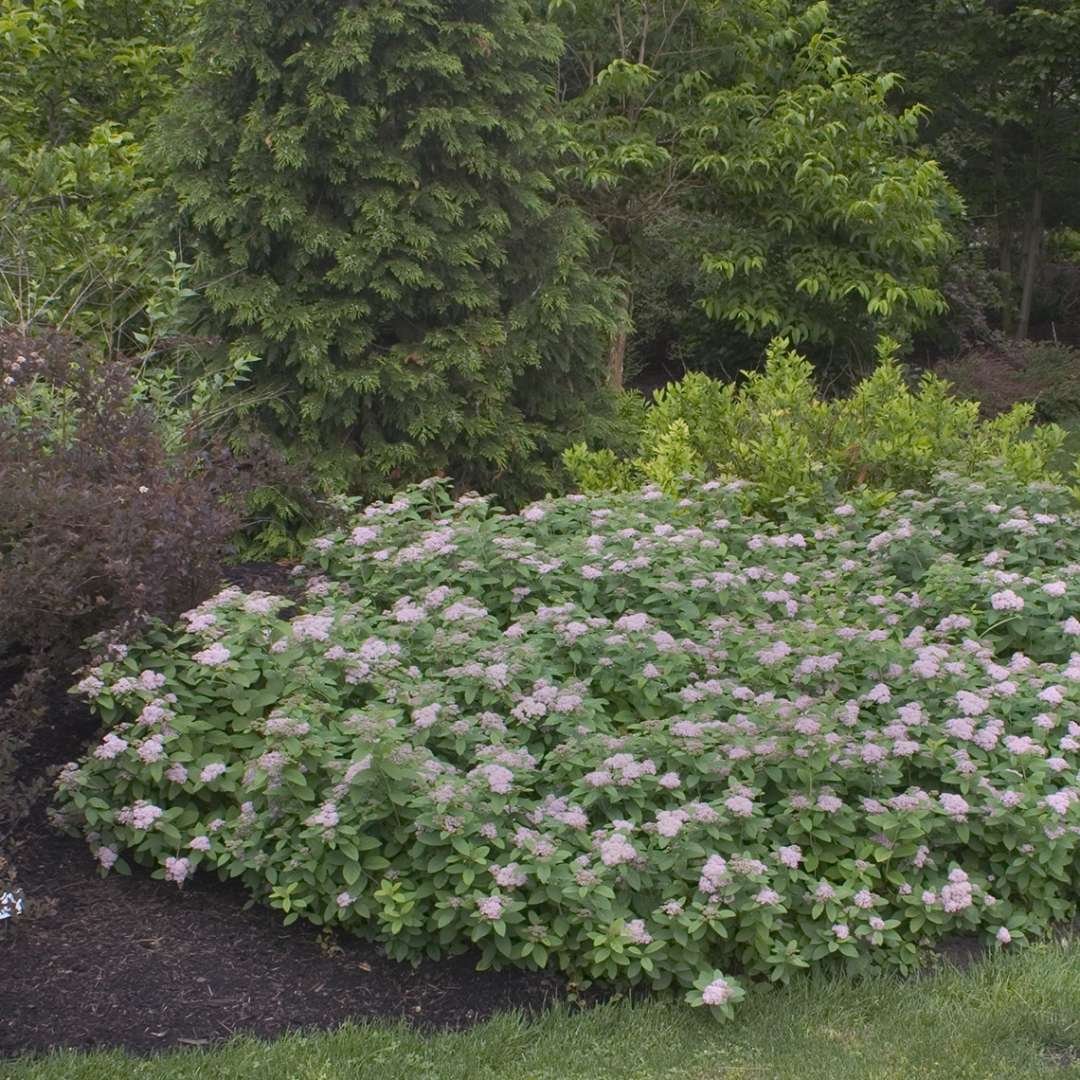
pixel 132 962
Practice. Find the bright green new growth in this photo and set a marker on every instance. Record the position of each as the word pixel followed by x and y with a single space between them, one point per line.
pixel 774 431
pixel 368 188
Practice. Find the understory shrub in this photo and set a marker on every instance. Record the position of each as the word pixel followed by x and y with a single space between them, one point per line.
pixel 639 738
pixel 774 429
pixel 106 513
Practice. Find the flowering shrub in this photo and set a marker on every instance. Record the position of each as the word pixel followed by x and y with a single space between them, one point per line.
pixel 643 739
pixel 103 520
pixel 774 429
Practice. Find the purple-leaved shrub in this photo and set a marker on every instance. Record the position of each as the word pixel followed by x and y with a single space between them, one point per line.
pixel 641 739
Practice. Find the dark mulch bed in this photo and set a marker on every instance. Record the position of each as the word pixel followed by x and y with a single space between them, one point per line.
pixel 136 963
pixel 133 962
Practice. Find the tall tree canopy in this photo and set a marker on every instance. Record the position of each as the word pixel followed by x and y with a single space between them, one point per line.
pixel 1002 79
pixel 67 66
pixel 368 188
pixel 80 84
pixel 741 168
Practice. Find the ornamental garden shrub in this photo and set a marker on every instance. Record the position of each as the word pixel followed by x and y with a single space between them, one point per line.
pixel 775 430
pixel 105 516
pixel 638 738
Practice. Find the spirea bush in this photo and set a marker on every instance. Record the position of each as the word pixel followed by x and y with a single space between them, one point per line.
pixel 636 738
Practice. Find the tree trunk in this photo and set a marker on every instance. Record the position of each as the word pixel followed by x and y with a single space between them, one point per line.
pixel 1003 220
pixel 616 357
pixel 1032 246
pixel 1034 235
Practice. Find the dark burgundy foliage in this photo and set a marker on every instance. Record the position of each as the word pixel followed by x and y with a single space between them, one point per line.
pixel 101 526
pixel 1001 373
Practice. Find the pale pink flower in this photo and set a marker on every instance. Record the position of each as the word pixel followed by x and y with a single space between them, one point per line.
pixel 426 716
pixel 177 869
pixel 312 627
pixel 363 534
pixel 490 907
pixel 499 778
pixel 510 876
pixel 213 655
pixel 956 896
pixel 956 806
pixel 144 814
pixel 739 805
pixel 151 750
pixel 1007 600
pixel 632 622
pixel 326 816
pixel 790 856
pixel 971 704
pixel 110 746
pixel 177 773
pixel 616 849
pixel 91 686
pixel 718 992
pixel 670 822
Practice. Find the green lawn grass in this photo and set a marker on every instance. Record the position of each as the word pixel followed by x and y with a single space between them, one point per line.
pixel 1011 1018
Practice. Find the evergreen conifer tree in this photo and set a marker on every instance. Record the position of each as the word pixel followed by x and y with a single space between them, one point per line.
pixel 367 187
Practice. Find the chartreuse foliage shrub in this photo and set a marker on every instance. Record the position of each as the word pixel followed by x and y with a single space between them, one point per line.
pixel 634 737
pixel 775 430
